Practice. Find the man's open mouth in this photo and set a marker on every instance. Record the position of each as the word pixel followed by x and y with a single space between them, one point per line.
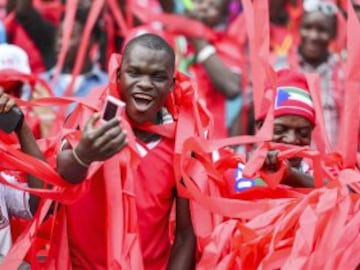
pixel 142 102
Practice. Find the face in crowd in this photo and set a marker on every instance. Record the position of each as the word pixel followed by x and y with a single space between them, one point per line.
pixel 210 12
pixel 317 31
pixel 74 42
pixel 295 130
pixel 146 78
pixel 76 38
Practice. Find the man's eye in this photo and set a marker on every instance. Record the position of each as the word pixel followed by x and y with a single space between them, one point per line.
pixel 159 78
pixel 305 132
pixel 132 73
pixel 279 130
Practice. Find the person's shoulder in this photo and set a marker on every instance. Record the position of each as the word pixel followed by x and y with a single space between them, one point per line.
pixel 48 74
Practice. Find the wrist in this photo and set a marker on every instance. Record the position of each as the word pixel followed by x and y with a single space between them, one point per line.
pixel 205 53
pixel 79 158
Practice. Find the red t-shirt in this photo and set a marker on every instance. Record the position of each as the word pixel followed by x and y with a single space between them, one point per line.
pixel 87 227
pixel 154 188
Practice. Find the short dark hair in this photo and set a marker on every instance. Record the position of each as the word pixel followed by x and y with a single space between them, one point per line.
pixel 150 41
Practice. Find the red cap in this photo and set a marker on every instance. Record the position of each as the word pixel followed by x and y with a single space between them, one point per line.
pixel 292 96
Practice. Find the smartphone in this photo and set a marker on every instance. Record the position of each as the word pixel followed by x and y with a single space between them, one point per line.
pixel 11 120
pixel 113 108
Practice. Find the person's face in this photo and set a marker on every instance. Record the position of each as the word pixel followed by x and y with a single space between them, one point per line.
pixel 210 12
pixel 316 34
pixel 74 42
pixel 292 129
pixel 145 80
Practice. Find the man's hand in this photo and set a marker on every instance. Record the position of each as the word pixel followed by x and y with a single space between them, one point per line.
pixel 6 102
pixel 292 176
pixel 272 163
pixel 98 144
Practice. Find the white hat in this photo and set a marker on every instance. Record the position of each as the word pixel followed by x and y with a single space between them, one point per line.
pixel 326 7
pixel 15 58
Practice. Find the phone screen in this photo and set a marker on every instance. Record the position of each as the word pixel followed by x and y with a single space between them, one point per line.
pixel 110 111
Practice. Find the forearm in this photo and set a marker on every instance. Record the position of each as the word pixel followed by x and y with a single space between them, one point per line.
pixel 223 79
pixel 30 147
pixel 183 252
pixel 295 178
pixel 69 168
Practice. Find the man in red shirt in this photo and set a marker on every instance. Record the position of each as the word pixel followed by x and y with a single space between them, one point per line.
pixel 145 79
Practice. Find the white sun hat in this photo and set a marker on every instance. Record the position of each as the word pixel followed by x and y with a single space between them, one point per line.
pixel 13 57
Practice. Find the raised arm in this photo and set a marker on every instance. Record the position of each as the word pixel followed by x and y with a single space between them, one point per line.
pixel 96 144
pixel 28 146
pixel 222 77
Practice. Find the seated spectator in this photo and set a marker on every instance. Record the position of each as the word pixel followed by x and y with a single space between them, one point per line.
pixel 317 31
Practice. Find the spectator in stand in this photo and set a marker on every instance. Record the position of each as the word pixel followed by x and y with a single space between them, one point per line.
pixel 317 31
pixel 14 60
pixel 30 30
pixel 284 21
pixel 217 73
pixel 15 202
pixel 294 121
pixel 91 75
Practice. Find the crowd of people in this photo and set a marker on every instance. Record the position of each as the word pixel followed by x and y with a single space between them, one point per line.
pixel 228 144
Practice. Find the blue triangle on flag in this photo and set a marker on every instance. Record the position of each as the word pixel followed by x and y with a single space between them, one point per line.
pixel 282 95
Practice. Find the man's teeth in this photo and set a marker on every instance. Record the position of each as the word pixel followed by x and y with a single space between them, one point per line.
pixel 143 97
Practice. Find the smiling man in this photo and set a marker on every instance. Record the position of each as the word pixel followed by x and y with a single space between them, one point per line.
pixel 145 79
pixel 294 121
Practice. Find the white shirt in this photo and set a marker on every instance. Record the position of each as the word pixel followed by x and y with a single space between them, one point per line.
pixel 13 202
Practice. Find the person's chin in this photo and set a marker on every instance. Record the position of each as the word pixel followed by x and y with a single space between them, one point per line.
pixel 312 53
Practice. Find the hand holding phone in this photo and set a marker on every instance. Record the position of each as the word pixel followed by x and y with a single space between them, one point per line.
pixel 11 117
pixel 113 108
pixel 12 120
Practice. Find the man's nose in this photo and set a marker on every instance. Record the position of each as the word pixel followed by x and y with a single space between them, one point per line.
pixel 145 83
pixel 313 34
pixel 290 137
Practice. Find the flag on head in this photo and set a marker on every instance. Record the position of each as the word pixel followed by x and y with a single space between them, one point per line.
pixel 289 98
pixel 292 96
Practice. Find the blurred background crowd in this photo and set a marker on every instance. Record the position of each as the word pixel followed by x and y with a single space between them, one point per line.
pixel 55 46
